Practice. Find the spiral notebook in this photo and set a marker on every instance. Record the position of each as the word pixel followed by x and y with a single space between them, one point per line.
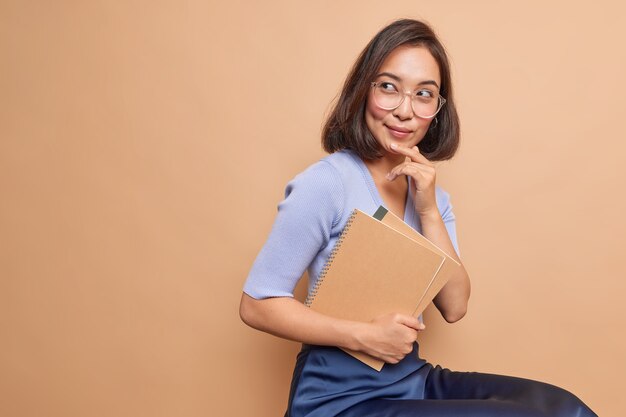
pixel 449 267
pixel 373 270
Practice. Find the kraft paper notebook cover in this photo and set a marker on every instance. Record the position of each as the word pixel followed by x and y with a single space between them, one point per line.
pixel 448 269
pixel 373 270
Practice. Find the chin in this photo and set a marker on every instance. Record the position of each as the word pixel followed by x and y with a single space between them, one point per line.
pixel 403 143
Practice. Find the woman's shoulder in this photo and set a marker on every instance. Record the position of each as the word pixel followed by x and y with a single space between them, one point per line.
pixel 443 203
pixel 320 183
pixel 321 173
pixel 330 170
pixel 441 193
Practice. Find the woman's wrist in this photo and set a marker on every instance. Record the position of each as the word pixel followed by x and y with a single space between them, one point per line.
pixel 429 216
pixel 355 335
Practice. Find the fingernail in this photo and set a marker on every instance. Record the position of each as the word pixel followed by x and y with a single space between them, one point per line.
pixel 389 176
pixel 394 145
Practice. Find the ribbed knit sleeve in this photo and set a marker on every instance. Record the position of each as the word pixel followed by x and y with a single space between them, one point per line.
pixel 306 218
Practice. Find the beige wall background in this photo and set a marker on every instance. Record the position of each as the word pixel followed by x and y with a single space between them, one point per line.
pixel 144 146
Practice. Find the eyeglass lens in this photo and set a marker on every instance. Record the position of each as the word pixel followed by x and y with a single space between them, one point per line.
pixel 426 103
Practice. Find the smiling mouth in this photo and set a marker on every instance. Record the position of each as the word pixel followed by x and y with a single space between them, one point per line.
pixel 398 133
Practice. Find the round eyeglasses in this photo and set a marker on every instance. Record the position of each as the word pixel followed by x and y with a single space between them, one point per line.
pixel 425 102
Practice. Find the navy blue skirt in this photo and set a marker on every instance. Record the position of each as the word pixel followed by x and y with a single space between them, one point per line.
pixel 328 382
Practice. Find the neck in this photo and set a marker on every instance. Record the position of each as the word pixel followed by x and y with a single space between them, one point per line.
pixel 381 166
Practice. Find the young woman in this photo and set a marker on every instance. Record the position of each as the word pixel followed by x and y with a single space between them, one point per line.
pixel 395 116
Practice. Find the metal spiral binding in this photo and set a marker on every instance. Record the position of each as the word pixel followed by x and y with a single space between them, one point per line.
pixel 329 261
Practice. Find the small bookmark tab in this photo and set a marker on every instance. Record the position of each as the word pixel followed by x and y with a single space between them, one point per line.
pixel 380 213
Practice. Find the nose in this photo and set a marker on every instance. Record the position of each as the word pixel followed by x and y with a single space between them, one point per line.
pixel 405 110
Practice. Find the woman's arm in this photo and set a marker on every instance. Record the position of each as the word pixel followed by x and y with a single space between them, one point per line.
pixel 389 337
pixel 306 219
pixel 453 298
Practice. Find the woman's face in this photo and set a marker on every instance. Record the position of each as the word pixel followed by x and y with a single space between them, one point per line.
pixel 409 68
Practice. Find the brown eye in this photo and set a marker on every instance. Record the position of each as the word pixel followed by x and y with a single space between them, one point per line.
pixel 425 94
pixel 388 87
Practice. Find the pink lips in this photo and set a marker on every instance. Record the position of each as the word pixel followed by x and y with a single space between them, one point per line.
pixel 399 132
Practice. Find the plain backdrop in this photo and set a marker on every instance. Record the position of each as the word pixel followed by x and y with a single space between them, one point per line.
pixel 144 146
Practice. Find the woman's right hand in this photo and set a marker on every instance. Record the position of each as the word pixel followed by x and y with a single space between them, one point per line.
pixel 390 337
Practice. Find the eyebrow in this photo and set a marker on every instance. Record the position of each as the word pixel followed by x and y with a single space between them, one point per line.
pixel 395 77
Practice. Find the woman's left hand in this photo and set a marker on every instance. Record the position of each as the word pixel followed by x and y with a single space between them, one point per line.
pixel 423 173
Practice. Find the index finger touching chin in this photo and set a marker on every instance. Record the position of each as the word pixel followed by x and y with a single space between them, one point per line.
pixel 402 149
pixel 418 157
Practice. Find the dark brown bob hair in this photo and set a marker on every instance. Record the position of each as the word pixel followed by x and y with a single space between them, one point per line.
pixel 345 126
